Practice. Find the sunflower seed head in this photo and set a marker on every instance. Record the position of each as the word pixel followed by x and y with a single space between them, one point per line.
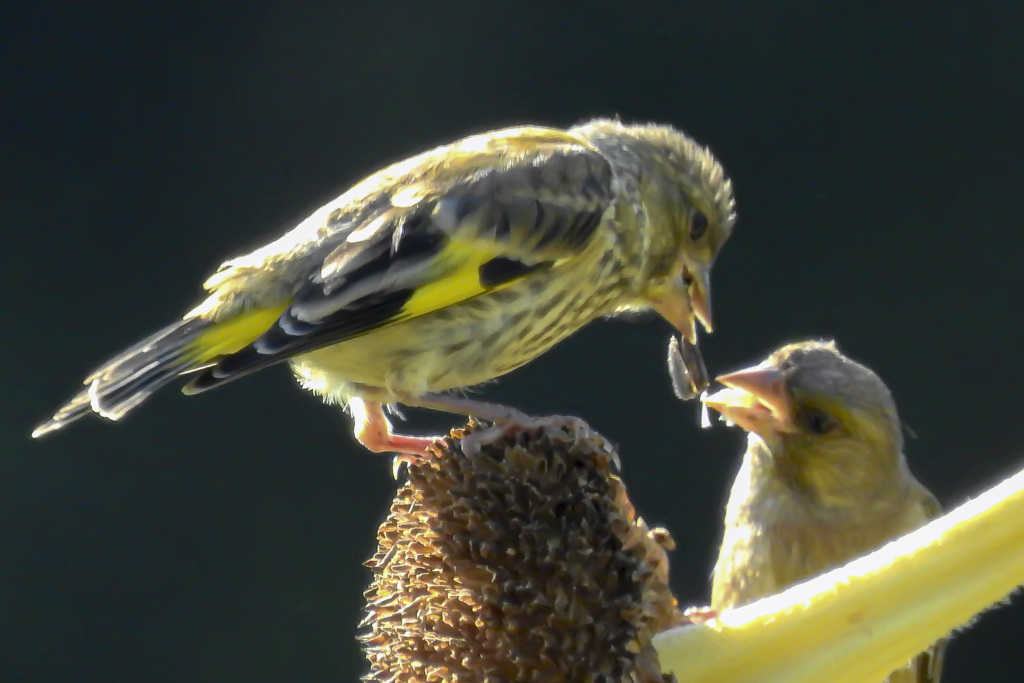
pixel 522 562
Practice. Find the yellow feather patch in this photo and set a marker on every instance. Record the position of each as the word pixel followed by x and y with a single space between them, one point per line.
pixel 234 334
pixel 870 427
pixel 460 282
pixel 858 423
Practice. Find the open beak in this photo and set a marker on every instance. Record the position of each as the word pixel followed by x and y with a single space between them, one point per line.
pixel 674 306
pixel 700 297
pixel 756 400
pixel 687 300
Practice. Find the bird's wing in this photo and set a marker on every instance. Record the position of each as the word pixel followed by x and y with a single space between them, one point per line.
pixel 435 231
pixel 927 666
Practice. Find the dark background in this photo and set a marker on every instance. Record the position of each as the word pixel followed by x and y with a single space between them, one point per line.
pixel 876 156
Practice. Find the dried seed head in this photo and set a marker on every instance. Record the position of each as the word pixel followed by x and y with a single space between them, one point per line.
pixel 515 555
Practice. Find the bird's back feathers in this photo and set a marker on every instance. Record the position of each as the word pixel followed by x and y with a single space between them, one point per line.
pixel 476 235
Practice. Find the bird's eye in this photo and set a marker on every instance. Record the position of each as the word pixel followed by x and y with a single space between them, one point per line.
pixel 698 225
pixel 818 421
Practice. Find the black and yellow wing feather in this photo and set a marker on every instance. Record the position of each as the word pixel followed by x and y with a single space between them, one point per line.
pixel 495 216
pixel 424 234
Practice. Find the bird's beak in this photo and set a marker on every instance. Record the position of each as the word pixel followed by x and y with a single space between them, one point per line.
pixel 756 400
pixel 687 300
pixel 673 304
pixel 700 297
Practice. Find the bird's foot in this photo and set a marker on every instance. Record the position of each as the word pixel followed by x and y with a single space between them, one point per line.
pixel 373 430
pixel 481 410
pixel 403 459
pixel 408 450
pixel 699 615
pixel 552 425
pixel 504 421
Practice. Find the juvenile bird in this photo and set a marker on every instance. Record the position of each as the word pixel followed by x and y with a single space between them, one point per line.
pixel 823 479
pixel 447 270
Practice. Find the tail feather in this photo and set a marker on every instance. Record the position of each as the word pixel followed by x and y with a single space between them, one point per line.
pixel 129 378
pixel 187 346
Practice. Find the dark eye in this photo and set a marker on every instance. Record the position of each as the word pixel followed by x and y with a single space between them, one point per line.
pixel 818 421
pixel 698 225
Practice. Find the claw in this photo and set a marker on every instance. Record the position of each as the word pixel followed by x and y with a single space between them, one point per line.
pixel 402 461
pixel 699 615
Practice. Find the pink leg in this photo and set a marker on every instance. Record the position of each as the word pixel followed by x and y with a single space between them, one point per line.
pixel 373 430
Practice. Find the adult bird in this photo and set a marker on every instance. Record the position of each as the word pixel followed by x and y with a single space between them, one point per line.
pixel 447 270
pixel 823 479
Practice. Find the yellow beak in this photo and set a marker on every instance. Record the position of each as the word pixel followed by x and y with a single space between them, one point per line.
pixel 686 300
pixel 700 298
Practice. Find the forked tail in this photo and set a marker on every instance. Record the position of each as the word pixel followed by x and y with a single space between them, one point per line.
pixel 126 380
